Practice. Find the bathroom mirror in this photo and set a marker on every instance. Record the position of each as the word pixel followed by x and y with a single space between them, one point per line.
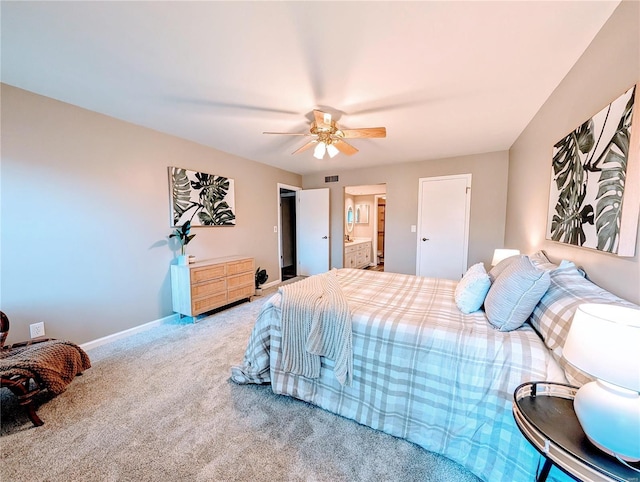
pixel 350 219
pixel 362 213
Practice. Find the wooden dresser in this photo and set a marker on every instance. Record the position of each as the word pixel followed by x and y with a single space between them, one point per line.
pixel 212 283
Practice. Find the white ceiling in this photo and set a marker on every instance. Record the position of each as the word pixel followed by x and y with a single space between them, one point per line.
pixel 445 78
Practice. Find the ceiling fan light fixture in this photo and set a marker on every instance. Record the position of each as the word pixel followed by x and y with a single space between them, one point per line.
pixel 332 150
pixel 319 150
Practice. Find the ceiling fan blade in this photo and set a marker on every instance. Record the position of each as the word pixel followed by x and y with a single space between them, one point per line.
pixel 305 147
pixel 364 133
pixel 322 119
pixel 288 133
pixel 345 148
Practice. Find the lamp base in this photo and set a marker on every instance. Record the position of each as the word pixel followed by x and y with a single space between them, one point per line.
pixel 610 417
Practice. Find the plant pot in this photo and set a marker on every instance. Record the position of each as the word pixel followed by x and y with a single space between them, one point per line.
pixel 183 259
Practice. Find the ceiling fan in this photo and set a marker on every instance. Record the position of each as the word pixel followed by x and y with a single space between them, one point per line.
pixel 329 137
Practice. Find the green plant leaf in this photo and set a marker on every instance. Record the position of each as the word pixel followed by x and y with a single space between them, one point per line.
pixel 188 239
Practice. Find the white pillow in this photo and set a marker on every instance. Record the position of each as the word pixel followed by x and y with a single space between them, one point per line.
pixel 515 293
pixel 472 289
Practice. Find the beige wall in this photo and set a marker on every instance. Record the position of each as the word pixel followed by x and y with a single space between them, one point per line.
pixel 85 217
pixel 364 230
pixel 608 68
pixel 488 204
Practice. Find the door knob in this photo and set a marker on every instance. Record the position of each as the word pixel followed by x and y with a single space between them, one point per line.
pixel 425 239
pixel 324 237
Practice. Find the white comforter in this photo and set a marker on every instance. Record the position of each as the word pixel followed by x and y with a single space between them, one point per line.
pixel 423 371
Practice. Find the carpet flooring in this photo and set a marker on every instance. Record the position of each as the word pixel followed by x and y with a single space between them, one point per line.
pixel 159 406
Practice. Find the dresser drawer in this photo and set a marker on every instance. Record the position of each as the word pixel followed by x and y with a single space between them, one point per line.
pixel 350 249
pixel 241 280
pixel 240 292
pixel 240 267
pixel 207 273
pixel 208 303
pixel 209 287
pixel 212 283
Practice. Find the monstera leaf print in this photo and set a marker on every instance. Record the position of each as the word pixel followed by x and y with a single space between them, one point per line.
pixel 181 193
pixel 570 178
pixel 613 169
pixel 569 218
pixel 198 196
pixel 213 190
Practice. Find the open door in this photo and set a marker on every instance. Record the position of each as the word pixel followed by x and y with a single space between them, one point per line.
pixel 312 231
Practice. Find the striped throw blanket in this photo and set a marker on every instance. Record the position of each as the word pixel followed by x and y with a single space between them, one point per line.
pixel 316 322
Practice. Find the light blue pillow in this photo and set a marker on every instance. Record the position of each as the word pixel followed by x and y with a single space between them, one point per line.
pixel 515 293
pixel 502 265
pixel 472 289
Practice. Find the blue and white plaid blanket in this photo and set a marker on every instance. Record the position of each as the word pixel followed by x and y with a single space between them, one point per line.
pixel 422 371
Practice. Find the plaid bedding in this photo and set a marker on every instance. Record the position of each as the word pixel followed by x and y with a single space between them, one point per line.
pixel 423 371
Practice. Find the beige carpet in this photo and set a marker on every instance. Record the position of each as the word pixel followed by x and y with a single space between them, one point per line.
pixel 159 406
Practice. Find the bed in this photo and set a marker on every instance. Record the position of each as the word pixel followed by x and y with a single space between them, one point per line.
pixel 422 370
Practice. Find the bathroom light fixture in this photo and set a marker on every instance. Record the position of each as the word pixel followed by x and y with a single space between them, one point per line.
pixel 603 341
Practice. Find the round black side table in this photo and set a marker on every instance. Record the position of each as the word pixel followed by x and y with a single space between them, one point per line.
pixel 544 414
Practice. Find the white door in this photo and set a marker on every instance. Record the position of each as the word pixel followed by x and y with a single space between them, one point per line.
pixel 443 226
pixel 312 231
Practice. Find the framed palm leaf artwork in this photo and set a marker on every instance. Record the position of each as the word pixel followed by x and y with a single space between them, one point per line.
pixel 594 198
pixel 204 199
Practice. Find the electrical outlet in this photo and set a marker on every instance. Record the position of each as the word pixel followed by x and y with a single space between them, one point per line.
pixel 37 329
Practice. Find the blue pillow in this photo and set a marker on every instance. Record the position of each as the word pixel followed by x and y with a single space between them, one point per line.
pixel 515 293
pixel 472 289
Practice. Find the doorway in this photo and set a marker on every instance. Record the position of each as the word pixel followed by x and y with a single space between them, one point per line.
pixel 287 233
pixel 303 226
pixel 381 206
pixel 372 200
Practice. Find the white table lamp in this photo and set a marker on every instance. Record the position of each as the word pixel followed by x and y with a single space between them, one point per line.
pixel 500 254
pixel 604 341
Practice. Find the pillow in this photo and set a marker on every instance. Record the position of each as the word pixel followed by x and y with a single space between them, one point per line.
pixel 502 265
pixel 552 316
pixel 515 293
pixel 539 260
pixel 472 289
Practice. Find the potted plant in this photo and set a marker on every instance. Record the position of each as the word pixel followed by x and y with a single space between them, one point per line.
pixel 261 278
pixel 182 233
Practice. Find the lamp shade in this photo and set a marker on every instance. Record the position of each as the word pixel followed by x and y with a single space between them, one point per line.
pixel 604 341
pixel 319 150
pixel 500 254
pixel 332 150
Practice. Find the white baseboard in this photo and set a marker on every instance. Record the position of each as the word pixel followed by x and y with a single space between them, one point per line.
pixel 269 285
pixel 131 331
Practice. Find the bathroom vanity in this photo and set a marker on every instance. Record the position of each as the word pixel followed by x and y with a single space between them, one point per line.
pixel 357 253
